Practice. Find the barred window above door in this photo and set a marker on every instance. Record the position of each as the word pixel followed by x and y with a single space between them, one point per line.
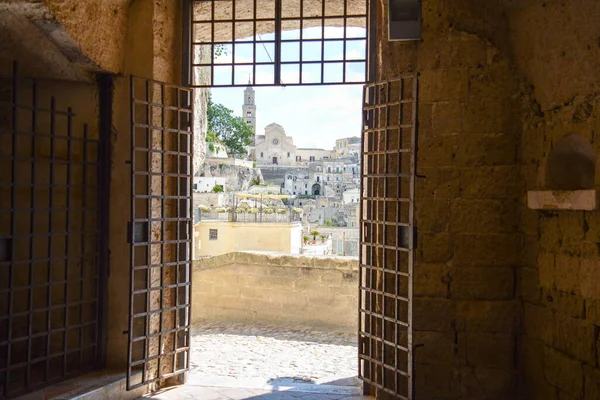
pixel 278 42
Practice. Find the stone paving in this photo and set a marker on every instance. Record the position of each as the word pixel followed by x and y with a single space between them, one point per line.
pixel 258 361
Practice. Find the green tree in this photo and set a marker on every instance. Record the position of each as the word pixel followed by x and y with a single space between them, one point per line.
pixel 228 128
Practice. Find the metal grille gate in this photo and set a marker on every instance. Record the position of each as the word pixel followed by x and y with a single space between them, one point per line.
pixel 387 237
pixel 49 239
pixel 278 42
pixel 160 231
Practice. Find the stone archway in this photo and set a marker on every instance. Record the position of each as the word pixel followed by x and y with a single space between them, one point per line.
pixel 316 189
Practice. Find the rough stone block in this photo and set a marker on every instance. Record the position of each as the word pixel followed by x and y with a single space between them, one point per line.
pixel 529 284
pixel 547 269
pixel 438 183
pixel 489 116
pixel 592 311
pixel 436 248
pixel 481 216
pixel 487 316
pixel 576 338
pixel 443 85
pixel 482 283
pixel 549 234
pixel 592 383
pixel 431 280
pixel 432 215
pixel 438 347
pixel 563 372
pixel 530 250
pixel 537 323
pixel 500 182
pixel 561 200
pixel 589 277
pixel 490 350
pixel 487 250
pixel 447 118
pixel 432 314
pixel 486 150
pixel 567 273
pixel 331 278
pixel 564 303
pixel 436 150
pixel 435 381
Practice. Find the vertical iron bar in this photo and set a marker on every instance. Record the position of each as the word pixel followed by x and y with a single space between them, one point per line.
pixel 233 43
pixel 132 228
pixel 83 239
pixel 212 47
pixel 148 240
pixel 162 222
pixel 277 77
pixel 50 230
pixel 323 41
pixel 186 43
pixel 177 227
pixel 31 226
pixel 13 218
pixel 67 223
pixel 344 40
pixel 411 234
pixel 254 42
pixel 190 216
pixel 371 41
pixel 301 36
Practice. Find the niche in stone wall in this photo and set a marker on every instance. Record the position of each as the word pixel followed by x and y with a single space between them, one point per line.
pixel 570 177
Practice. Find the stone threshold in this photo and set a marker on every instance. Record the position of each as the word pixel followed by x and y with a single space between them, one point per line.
pixel 91 386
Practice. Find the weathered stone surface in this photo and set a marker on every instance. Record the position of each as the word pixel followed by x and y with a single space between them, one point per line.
pixel 575 338
pixel 487 250
pixel 482 283
pixel 563 372
pixel 487 316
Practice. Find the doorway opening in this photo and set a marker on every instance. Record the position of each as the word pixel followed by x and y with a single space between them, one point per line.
pixel 280 44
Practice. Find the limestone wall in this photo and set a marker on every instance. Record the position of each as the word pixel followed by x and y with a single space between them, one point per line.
pixel 271 287
pixel 559 281
pixel 466 312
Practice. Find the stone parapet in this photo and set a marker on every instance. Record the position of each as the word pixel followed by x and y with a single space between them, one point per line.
pixel 277 287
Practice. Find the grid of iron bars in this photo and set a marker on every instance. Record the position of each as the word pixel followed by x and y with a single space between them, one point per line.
pixel 278 42
pixel 161 231
pixel 49 232
pixel 387 244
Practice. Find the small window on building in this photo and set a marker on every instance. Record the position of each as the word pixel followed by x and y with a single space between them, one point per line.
pixel 213 234
pixel 195 186
pixel 249 122
pixel 288 154
pixel 305 192
pixel 261 155
pixel 312 158
pixel 248 114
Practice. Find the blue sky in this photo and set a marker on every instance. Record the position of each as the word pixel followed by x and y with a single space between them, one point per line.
pixel 314 115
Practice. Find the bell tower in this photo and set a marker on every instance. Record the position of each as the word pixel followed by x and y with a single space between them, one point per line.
pixel 249 110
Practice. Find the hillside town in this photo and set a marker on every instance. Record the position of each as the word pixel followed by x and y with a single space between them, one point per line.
pixel 288 199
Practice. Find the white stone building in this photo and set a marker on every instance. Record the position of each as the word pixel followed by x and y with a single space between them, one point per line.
pixel 275 147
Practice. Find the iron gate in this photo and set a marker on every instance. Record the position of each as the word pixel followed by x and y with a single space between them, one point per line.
pixel 387 237
pixel 278 42
pixel 160 231
pixel 50 233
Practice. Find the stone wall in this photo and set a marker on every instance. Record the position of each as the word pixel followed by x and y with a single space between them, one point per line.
pixel 505 297
pixel 271 287
pixel 559 279
pixel 466 311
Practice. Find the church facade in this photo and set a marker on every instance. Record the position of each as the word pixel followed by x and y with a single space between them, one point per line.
pixel 275 147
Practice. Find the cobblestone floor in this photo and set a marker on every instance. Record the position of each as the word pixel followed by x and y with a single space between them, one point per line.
pixel 254 361
pixel 272 352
